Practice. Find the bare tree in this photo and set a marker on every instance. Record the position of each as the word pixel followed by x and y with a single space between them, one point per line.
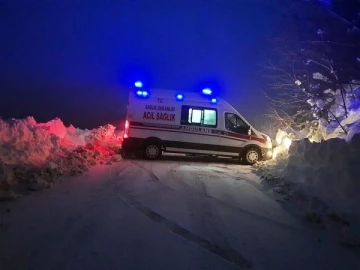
pixel 309 62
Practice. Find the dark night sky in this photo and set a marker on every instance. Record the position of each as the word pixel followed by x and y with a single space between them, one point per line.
pixel 73 59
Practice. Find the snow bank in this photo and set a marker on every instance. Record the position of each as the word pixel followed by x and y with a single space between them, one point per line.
pixel 325 164
pixel 321 183
pixel 328 170
pixel 24 141
pixel 33 155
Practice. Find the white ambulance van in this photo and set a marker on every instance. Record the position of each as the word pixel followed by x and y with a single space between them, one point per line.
pixel 161 121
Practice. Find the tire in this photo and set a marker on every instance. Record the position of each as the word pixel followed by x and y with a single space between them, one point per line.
pixel 251 155
pixel 152 151
pixel 125 154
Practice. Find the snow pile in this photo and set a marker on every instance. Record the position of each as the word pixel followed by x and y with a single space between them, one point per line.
pixel 69 136
pixel 24 142
pixel 320 183
pixel 322 162
pixel 105 134
pixel 328 170
pixel 322 180
pixel 33 155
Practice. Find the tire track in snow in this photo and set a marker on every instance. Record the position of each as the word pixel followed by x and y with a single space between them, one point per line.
pixel 220 249
pixel 167 179
pixel 224 251
pixel 153 177
pixel 203 213
pixel 200 190
pixel 149 172
pixel 119 169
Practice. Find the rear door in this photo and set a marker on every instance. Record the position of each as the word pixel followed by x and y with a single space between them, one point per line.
pixel 199 132
pixel 234 135
pixel 154 117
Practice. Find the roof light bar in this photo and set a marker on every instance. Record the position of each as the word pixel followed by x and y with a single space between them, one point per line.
pixel 142 93
pixel 138 84
pixel 179 97
pixel 207 91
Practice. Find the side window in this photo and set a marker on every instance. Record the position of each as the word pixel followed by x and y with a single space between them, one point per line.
pixel 198 116
pixel 209 117
pixel 195 116
pixel 234 123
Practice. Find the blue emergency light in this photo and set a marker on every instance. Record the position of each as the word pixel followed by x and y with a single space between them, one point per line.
pixel 138 84
pixel 207 91
pixel 142 93
pixel 179 97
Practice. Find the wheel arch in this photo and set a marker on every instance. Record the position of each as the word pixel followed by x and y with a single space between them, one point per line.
pixel 153 139
pixel 252 145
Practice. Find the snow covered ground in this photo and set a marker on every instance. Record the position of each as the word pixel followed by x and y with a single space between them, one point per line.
pixel 177 213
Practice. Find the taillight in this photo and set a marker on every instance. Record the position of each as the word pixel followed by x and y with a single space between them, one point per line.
pixel 126 131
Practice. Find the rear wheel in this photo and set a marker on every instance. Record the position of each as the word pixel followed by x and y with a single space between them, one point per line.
pixel 125 154
pixel 152 151
pixel 252 155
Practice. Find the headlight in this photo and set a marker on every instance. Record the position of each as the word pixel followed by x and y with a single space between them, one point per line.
pixel 286 142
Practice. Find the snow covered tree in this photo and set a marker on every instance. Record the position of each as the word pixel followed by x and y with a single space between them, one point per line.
pixel 312 67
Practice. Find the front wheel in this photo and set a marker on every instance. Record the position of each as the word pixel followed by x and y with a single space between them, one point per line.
pixel 252 155
pixel 152 151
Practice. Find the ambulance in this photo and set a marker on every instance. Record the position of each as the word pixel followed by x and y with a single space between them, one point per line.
pixel 160 121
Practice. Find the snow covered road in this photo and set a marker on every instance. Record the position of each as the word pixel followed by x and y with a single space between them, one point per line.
pixel 171 214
